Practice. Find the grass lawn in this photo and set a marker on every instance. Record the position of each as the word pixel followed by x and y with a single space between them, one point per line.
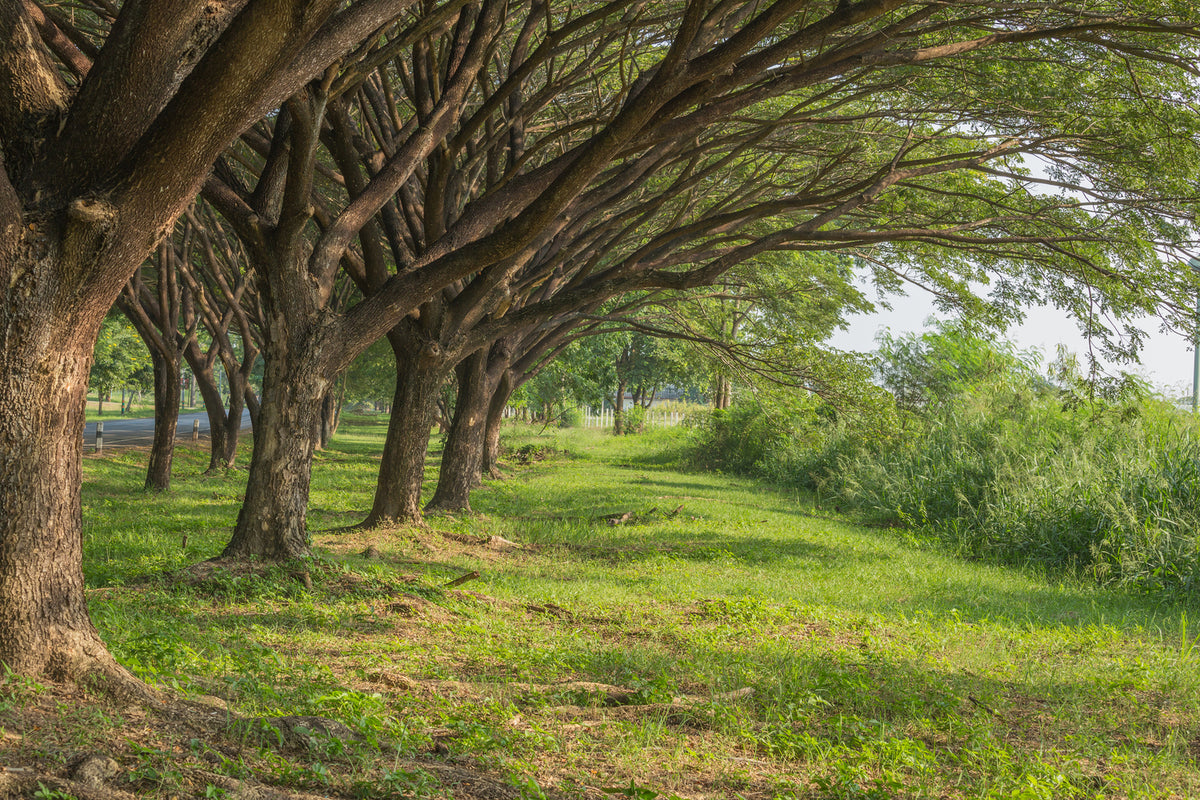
pixel 111 409
pixel 724 640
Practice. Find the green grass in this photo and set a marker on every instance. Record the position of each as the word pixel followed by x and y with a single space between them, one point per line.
pixel 726 641
pixel 112 409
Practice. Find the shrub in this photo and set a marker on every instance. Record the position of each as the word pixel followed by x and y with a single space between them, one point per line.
pixel 738 439
pixel 634 419
pixel 1003 465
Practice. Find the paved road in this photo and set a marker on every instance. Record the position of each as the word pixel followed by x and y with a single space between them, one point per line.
pixel 140 432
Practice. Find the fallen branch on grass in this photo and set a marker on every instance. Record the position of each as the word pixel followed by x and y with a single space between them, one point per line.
pixel 460 580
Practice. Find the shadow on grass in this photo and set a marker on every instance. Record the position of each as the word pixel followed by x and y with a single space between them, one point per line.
pixel 712 546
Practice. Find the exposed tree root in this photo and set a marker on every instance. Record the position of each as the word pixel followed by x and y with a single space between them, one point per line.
pixel 376 523
pixel 80 658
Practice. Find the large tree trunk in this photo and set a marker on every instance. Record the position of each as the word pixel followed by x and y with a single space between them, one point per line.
pixel 272 522
pixel 45 355
pixel 166 418
pixel 462 459
pixel 419 377
pixel 495 419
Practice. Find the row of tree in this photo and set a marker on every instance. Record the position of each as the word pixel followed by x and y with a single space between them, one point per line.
pixel 481 183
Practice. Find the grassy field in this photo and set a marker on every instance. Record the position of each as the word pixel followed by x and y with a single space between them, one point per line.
pixel 110 409
pixel 723 640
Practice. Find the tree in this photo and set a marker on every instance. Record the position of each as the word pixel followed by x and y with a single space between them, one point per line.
pixel 709 135
pixel 223 303
pixel 158 315
pixel 718 135
pixel 104 145
pixel 924 371
pixel 118 356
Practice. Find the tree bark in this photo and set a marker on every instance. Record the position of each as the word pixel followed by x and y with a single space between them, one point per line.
pixel 214 408
pixel 89 181
pixel 166 418
pixel 45 356
pixel 420 373
pixel 272 522
pixel 462 459
pixel 495 419
pixel 619 410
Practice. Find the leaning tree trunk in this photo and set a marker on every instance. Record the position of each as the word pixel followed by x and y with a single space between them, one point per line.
pixel 419 377
pixel 495 419
pixel 462 458
pixel 272 521
pixel 45 355
pixel 166 419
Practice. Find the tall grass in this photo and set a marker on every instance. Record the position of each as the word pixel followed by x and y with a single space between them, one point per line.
pixel 1006 469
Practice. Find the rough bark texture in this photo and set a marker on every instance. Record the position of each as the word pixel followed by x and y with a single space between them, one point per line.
pixel 271 524
pixel 419 378
pixel 166 418
pixel 462 459
pixel 90 181
pixel 45 355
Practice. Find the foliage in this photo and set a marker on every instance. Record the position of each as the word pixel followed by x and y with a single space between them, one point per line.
pixel 765 321
pixel 738 439
pixel 371 378
pixel 998 462
pixel 120 358
pixel 928 369
pixel 589 371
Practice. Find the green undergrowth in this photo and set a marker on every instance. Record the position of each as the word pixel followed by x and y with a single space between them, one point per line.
pixel 1103 491
pixel 634 631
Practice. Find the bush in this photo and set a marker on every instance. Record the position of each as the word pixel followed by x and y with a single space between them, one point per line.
pixel 738 439
pixel 633 419
pixel 1007 467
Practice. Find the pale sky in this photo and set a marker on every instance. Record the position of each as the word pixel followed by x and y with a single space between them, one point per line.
pixel 1166 358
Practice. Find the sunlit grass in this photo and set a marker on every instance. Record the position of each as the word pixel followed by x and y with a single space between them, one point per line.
pixel 768 647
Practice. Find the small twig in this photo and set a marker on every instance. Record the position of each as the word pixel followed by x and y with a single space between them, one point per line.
pixel 978 704
pixel 460 580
